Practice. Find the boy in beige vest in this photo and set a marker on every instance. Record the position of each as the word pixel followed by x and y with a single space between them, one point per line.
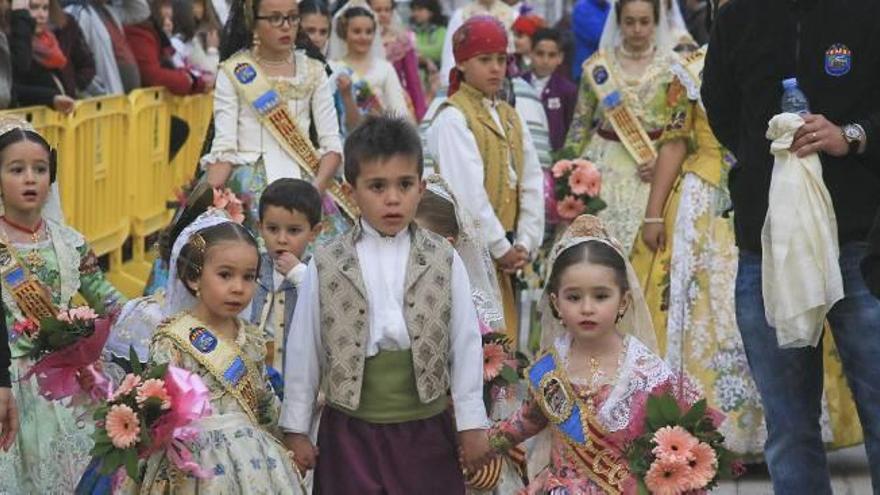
pixel 386 324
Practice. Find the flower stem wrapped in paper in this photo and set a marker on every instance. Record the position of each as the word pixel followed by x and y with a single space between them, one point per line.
pixel 67 350
pixel 151 411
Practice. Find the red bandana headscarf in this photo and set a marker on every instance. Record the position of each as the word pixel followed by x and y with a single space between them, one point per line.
pixel 477 36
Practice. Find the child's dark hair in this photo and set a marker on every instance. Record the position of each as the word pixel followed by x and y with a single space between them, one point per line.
pixel 293 195
pixel 341 26
pixel 548 34
pixel 437 17
pixel 618 9
pixel 194 253
pixel 439 213
pixel 18 135
pixel 595 252
pixel 381 137
pixel 199 200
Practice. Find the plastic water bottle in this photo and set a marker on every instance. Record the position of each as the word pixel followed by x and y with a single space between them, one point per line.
pixel 793 99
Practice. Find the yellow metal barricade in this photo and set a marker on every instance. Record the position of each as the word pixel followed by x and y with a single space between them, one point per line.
pixel 197 111
pixel 149 175
pixel 98 137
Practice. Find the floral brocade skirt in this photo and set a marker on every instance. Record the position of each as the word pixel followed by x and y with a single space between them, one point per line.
pixel 241 458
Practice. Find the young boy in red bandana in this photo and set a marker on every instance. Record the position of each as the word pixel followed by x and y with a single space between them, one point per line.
pixel 483 149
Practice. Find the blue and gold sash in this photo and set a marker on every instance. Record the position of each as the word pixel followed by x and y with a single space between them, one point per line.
pixel 575 422
pixel 221 357
pixel 254 88
pixel 624 121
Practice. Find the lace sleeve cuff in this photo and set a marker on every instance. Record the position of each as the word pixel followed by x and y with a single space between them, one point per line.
pixel 229 156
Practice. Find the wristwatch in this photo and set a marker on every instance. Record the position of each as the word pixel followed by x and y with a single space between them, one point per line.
pixel 854 134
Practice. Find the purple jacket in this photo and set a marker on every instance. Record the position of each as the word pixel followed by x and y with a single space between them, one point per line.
pixel 559 98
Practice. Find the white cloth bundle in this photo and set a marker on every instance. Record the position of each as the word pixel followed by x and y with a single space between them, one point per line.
pixel 800 269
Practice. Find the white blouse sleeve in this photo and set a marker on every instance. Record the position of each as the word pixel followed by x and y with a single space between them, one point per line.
pixel 458 160
pixel 224 148
pixel 302 374
pixel 530 225
pixel 326 120
pixel 447 58
pixel 465 354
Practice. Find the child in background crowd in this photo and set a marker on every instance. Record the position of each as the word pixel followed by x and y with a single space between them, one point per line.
pixel 400 50
pixel 524 28
pixel 429 24
pixel 558 93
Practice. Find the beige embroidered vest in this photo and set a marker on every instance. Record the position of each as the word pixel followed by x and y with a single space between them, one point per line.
pixel 345 322
pixel 496 148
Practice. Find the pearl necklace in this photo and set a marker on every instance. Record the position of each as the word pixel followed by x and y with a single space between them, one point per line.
pixel 274 63
pixel 627 54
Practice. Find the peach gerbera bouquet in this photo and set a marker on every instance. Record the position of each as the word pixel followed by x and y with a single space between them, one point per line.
pixel 680 449
pixel 577 185
pixel 502 366
pixel 150 411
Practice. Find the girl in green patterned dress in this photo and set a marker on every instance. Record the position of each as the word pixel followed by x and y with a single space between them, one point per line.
pixel 52 447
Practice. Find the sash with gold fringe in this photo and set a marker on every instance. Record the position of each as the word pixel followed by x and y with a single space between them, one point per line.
pixel 625 123
pixel 222 358
pixel 253 87
pixel 576 424
pixel 30 295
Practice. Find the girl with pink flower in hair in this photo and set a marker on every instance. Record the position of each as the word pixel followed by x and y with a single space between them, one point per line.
pixel 588 389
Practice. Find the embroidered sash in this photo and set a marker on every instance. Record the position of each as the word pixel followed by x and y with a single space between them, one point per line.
pixel 31 296
pixel 625 123
pixel 576 424
pixel 221 357
pixel 253 87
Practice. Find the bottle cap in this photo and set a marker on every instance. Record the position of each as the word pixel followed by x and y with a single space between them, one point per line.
pixel 789 83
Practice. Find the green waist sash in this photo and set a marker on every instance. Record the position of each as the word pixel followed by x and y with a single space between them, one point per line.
pixel 389 393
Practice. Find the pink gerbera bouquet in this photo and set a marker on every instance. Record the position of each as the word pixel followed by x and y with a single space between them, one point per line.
pixel 578 184
pixel 680 449
pixel 150 411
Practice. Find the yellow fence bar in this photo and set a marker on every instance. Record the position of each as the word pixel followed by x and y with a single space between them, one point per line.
pixel 196 110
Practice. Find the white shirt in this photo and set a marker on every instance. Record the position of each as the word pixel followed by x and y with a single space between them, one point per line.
pixel 240 139
pixel 383 267
pixel 454 148
pixel 540 83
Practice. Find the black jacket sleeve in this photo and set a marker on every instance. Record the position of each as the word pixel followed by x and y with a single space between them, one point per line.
pixel 720 92
pixel 81 56
pixel 5 361
pixel 20 39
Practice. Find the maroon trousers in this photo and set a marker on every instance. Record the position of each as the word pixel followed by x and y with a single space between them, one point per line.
pixel 411 458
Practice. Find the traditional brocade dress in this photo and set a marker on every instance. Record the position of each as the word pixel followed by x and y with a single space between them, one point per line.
pixel 257 156
pixel 53 443
pixel 380 80
pixel 592 136
pixel 610 409
pixel 236 443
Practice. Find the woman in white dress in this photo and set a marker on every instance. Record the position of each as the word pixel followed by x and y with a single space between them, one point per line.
pixel 249 150
pixel 356 53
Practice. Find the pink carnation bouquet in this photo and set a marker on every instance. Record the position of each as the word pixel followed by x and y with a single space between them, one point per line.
pixel 675 449
pixel 502 367
pixel 577 185
pixel 152 410
pixel 67 350
pixel 225 199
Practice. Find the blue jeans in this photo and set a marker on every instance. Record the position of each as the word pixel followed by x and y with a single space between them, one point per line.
pixel 790 380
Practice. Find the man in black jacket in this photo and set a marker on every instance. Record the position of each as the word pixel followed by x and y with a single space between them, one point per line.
pixel 832 47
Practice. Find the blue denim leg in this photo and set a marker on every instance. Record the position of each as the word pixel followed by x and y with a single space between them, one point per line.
pixel 855 322
pixel 790 384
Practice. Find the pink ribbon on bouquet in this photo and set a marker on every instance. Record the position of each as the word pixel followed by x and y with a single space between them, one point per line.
pixel 61 373
pixel 190 401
